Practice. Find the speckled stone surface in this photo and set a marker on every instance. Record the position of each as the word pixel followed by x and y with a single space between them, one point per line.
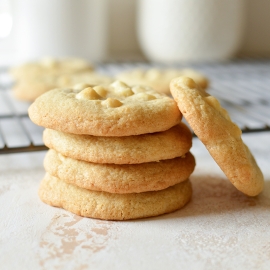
pixel 219 229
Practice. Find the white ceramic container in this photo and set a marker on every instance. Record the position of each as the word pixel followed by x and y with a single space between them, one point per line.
pixel 172 31
pixel 60 28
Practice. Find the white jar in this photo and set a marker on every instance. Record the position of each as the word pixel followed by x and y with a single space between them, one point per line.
pixel 172 31
pixel 60 28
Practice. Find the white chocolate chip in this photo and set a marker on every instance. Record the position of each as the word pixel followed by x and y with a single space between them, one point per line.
pixel 188 82
pixel 138 89
pixel 88 93
pixel 213 102
pixel 112 103
pixel 126 92
pixel 145 97
pixel 101 90
pixel 118 85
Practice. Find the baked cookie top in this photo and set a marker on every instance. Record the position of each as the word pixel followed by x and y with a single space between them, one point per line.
pixel 124 178
pixel 160 79
pixel 113 110
pixel 222 138
pixel 150 147
pixel 50 66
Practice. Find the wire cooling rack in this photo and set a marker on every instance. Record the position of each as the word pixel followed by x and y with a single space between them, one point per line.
pixel 242 87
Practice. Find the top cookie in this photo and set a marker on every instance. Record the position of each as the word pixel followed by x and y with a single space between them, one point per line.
pixel 114 110
pixel 222 138
pixel 50 66
pixel 160 79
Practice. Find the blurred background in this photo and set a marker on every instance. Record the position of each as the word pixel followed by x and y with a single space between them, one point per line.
pixel 119 30
pixel 228 41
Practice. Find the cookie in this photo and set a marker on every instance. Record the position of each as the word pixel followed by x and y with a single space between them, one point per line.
pixel 134 178
pixel 168 144
pixel 160 79
pixel 222 138
pixel 114 110
pixel 29 89
pixel 49 66
pixel 112 206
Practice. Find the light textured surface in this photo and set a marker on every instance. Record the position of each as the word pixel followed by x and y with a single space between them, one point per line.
pixel 219 229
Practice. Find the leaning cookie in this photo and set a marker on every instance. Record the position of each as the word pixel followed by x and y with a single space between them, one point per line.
pixel 134 178
pixel 157 146
pixel 222 138
pixel 114 110
pixel 113 206
pixel 160 79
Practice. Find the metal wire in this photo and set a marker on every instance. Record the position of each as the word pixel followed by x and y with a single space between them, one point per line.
pixel 242 87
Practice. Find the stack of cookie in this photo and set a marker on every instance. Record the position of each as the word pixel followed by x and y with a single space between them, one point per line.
pixel 116 152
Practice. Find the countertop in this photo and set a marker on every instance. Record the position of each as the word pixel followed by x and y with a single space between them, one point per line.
pixel 219 229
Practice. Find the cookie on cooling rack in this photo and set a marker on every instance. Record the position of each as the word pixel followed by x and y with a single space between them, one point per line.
pixel 29 89
pixel 50 66
pixel 113 206
pixel 114 110
pixel 222 138
pixel 113 178
pixel 159 79
pixel 157 146
pixel 35 78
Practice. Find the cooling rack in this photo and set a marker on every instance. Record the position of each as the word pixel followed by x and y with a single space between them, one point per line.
pixel 242 87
